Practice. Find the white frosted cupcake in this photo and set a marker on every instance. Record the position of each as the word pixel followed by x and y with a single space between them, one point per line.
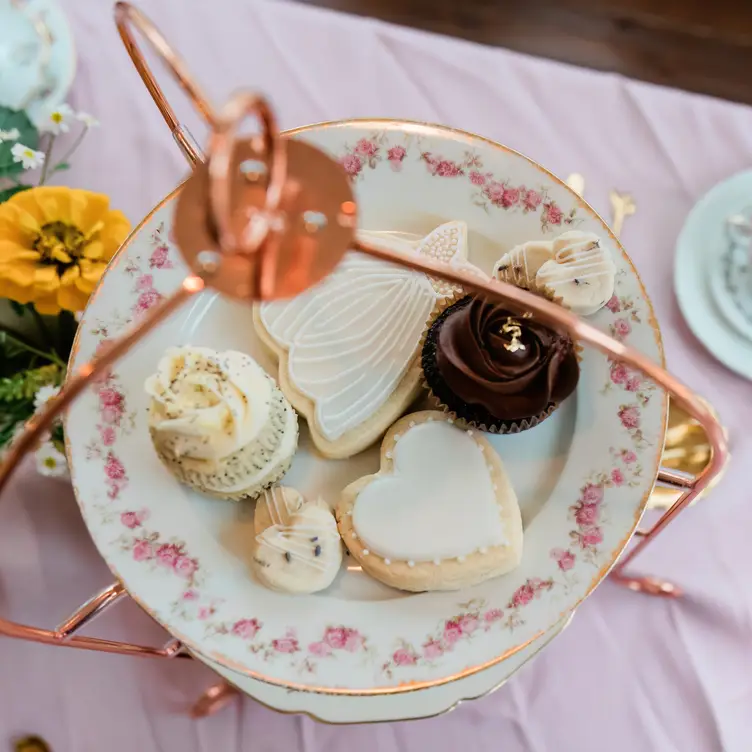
pixel 219 423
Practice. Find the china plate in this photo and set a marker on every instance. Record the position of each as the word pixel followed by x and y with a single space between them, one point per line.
pixel 703 299
pixel 582 477
pixel 424 703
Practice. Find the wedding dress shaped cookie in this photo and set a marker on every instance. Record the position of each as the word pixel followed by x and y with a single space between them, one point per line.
pixel 440 514
pixel 348 349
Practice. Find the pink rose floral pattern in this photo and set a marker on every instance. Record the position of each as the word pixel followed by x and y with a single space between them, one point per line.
pixel 590 513
pixel 492 192
pixel 114 419
pixel 160 256
pixel 637 388
pixel 335 641
pixel 366 153
pixel 488 190
pixel 396 156
pixel 474 618
pixel 149 547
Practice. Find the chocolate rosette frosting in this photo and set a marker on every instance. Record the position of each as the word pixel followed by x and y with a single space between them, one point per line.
pixel 496 369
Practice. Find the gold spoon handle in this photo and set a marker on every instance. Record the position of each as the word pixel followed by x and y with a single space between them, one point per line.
pixel 623 206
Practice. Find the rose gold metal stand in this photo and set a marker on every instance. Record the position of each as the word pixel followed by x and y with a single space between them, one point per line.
pixel 249 224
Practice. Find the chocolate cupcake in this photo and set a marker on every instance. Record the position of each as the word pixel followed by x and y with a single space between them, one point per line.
pixel 496 370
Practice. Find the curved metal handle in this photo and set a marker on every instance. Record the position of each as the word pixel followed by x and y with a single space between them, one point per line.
pixel 126 16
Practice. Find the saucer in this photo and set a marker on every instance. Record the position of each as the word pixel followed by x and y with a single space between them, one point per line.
pixel 709 311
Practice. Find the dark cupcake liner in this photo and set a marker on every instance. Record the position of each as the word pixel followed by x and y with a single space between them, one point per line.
pixel 465 414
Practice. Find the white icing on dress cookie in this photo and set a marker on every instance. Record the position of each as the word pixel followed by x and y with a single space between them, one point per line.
pixel 298 548
pixel 351 339
pixel 581 272
pixel 426 509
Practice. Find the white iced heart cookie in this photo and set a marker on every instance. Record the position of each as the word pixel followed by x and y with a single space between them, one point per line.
pixel 348 349
pixel 440 514
pixel 297 548
pixel 581 272
pixel 219 422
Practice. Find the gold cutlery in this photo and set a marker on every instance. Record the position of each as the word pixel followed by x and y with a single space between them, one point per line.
pixel 622 206
pixel 686 448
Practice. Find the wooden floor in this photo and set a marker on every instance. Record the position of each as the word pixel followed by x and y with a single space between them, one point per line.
pixel 698 45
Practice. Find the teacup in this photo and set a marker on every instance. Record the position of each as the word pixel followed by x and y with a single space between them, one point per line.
pixel 737 262
pixel 25 44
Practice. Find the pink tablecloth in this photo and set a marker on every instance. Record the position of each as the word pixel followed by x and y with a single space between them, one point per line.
pixel 631 673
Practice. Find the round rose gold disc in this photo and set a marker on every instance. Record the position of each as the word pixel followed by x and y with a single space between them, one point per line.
pixel 305 238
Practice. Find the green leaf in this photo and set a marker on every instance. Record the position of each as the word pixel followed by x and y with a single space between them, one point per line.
pixel 60 166
pixel 13 190
pixel 18 308
pixel 27 135
pixel 24 385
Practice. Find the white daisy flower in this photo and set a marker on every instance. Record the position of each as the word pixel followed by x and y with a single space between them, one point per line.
pixel 44 395
pixel 27 156
pixel 12 135
pixel 88 120
pixel 50 461
pixel 57 120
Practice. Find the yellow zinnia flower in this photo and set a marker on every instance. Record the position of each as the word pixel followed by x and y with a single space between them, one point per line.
pixel 55 243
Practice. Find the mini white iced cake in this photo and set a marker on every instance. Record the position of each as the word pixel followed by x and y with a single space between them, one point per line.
pixel 219 423
pixel 574 267
pixel 297 548
pixel 440 514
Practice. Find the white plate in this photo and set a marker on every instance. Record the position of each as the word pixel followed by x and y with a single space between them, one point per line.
pixel 424 703
pixel 697 273
pixel 583 477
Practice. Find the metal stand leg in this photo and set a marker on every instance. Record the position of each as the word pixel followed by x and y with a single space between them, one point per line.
pixel 214 699
pixel 647 584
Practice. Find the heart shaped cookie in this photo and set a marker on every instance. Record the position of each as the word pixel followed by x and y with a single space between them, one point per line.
pixel 297 548
pixel 440 514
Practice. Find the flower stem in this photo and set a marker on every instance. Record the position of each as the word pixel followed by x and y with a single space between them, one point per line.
pixel 47 153
pixel 45 334
pixel 21 341
pixel 73 148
